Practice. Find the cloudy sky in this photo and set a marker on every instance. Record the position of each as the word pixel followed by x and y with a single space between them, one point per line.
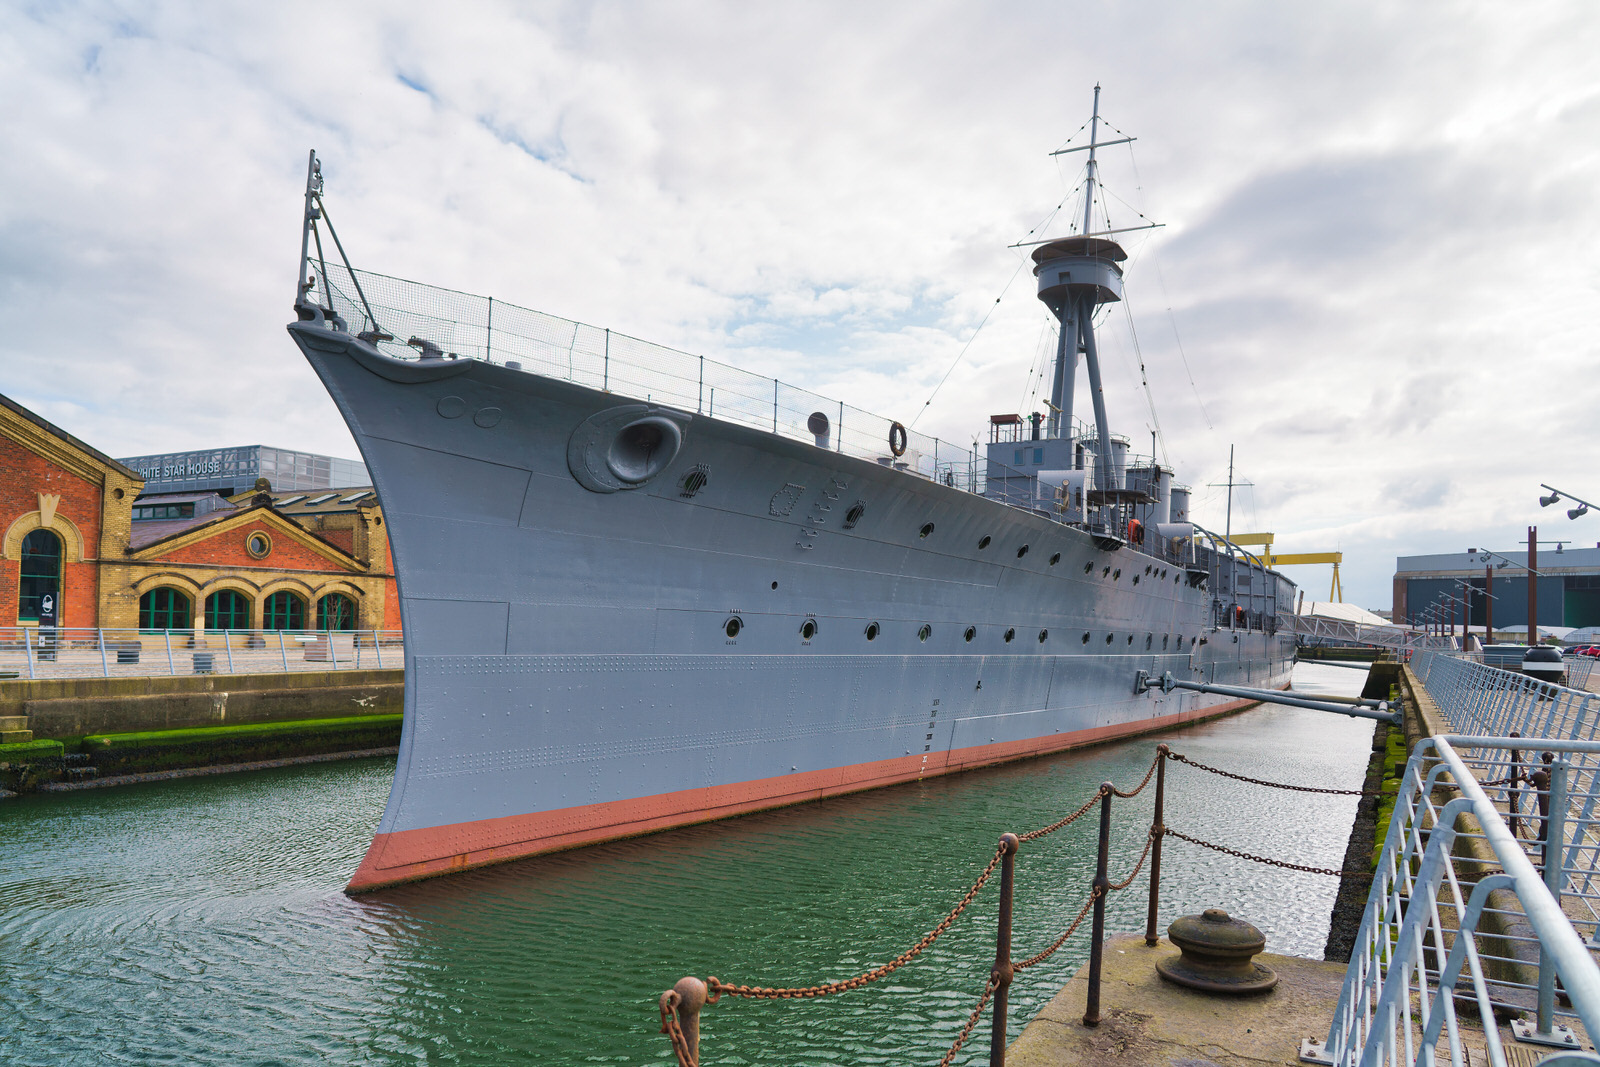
pixel 1377 278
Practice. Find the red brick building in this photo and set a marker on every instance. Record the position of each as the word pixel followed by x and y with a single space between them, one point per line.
pixel 80 548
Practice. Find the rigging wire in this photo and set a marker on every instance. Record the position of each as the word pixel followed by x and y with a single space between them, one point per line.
pixel 1166 298
pixel 984 321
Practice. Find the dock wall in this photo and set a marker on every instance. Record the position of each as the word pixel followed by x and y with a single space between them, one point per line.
pixel 72 707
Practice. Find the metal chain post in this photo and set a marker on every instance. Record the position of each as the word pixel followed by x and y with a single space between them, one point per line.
pixel 1091 1014
pixel 1000 977
pixel 1158 830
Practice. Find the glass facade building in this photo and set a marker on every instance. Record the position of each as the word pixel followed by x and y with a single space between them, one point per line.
pixel 229 471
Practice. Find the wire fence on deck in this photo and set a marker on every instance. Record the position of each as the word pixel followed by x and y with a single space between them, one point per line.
pixel 63 652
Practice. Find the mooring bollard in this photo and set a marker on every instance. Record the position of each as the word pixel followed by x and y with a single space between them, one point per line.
pixel 1091 1014
pixel 1002 972
pixel 1158 830
pixel 680 1018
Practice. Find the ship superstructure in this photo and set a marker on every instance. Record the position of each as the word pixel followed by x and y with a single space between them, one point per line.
pixel 642 589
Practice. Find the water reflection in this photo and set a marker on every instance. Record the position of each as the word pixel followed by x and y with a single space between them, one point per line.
pixel 201 921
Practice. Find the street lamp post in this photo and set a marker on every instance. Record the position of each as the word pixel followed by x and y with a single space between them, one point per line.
pixel 1533 586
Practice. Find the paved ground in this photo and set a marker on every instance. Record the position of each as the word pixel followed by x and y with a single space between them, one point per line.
pixel 1149 1022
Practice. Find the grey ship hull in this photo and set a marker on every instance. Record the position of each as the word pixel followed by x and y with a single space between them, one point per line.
pixel 570 677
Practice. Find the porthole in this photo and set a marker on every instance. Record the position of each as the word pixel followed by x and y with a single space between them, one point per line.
pixel 1192 640
pixel 1136 579
pixel 808 629
pixel 1109 638
pixel 733 626
pixel 774 585
pixel 1044 635
pixel 983 542
pixel 1105 572
pixel 872 631
pixel 924 633
pixel 1086 637
pixel 694 481
pixel 1088 568
pixel 1147 568
pixel 1130 639
pixel 1149 641
pixel 1023 551
pixel 972 631
pixel 1010 633
pixel 1116 575
pixel 927 528
pixel 853 516
pixel 1055 559
pixel 258 544
pixel 1164 639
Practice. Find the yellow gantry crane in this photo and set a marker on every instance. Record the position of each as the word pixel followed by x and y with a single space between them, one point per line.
pixel 1335 593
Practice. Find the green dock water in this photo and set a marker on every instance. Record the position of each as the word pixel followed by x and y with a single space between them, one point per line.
pixel 201 921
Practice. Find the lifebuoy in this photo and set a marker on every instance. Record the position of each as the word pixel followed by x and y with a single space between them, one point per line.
pixel 897 439
pixel 1136 531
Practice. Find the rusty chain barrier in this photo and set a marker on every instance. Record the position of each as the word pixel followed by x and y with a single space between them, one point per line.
pixel 680 1006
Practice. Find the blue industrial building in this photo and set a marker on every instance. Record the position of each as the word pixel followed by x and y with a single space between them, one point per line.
pixel 1568 590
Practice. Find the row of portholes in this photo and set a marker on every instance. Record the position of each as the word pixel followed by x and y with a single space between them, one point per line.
pixel 808 629
pixel 1150 571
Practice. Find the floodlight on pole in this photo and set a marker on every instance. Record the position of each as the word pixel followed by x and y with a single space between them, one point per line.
pixel 1559 494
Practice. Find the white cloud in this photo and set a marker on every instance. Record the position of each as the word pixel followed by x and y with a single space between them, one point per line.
pixel 1378 254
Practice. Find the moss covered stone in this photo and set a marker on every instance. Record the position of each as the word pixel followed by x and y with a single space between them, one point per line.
pixel 30 750
pixel 158 750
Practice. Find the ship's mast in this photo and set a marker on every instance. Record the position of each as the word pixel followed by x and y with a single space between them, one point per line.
pixel 1076 275
pixel 1093 168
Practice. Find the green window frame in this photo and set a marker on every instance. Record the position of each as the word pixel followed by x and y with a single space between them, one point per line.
pixel 165 608
pixel 283 611
pixel 38 574
pixel 336 611
pixel 227 609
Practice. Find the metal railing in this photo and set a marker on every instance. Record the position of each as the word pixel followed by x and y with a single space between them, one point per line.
pixel 1480 699
pixel 63 652
pixel 467 326
pixel 1435 944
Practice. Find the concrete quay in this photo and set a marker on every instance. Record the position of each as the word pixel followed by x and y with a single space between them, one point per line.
pixel 72 707
pixel 1147 1021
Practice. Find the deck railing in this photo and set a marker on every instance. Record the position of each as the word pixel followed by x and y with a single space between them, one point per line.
pixel 70 652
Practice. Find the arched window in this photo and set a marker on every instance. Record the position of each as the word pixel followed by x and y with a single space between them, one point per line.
pixel 40 576
pixel 227 610
pixel 284 611
pixel 164 609
pixel 336 612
